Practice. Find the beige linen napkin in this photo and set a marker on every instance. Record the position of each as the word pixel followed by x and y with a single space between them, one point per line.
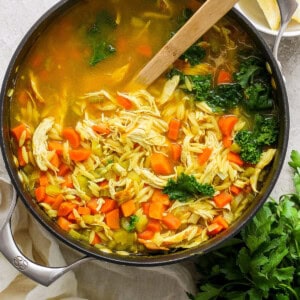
pixel 92 280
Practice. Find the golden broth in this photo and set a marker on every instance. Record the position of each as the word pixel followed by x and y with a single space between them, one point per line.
pixel 101 161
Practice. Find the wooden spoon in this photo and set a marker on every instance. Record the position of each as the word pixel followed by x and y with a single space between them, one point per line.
pixel 202 20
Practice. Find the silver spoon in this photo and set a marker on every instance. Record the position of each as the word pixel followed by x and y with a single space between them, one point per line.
pixel 287 8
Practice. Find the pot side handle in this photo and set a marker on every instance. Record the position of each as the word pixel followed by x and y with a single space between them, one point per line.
pixel 41 274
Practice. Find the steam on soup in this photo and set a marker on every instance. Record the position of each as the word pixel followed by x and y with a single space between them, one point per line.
pixel 135 171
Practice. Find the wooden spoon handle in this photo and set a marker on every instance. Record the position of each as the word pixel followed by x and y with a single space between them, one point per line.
pixel 203 19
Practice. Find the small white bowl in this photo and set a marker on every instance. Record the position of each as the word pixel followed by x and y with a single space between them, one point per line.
pixel 251 10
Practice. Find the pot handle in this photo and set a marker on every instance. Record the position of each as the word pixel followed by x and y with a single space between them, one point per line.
pixel 41 274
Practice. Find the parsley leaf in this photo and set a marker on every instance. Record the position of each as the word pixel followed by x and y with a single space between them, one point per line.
pixel 187 187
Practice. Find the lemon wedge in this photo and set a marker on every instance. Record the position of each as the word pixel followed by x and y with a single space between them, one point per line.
pixel 271 11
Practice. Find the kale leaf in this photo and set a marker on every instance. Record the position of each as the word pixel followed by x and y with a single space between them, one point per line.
pixel 98 34
pixel 262 261
pixel 258 96
pixel 194 55
pixel 251 143
pixel 187 187
pixel 201 85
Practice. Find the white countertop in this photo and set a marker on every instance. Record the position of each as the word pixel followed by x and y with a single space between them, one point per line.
pixel 17 16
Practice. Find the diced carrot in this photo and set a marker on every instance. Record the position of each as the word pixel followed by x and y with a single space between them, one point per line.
pixel 56 146
pixel 23 98
pixel 156 210
pixel 40 193
pixel 221 221
pixel 68 182
pixel 222 199
pixel 171 221
pixel 65 208
pixel 121 44
pixel 36 60
pixel 80 154
pixel 145 207
pixel 126 103
pixel 161 164
pixel 49 199
pixel 18 131
pixel 112 219
pixel 21 159
pixel 235 190
pixel 174 129
pixel 227 141
pixel 55 161
pixel 235 158
pixel 153 225
pixel 108 205
pixel 226 124
pixel 145 50
pixel 57 202
pixel 159 196
pixel 96 240
pixel 43 180
pixel 146 235
pixel 214 229
pixel 224 77
pixel 204 156
pixel 63 223
pixel 63 170
pixel 72 136
pixel 84 210
pixel 176 151
pixel 93 206
pixel 128 208
pixel 71 217
pixel 101 128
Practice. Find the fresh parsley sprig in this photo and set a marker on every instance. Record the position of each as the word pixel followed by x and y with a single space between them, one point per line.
pixel 263 261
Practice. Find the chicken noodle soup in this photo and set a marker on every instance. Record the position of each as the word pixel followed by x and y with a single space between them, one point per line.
pixel 137 171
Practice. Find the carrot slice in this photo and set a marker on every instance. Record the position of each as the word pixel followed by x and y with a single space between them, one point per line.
pixel 84 210
pixel 159 196
pixel 227 141
pixel 108 205
pixel 146 235
pixel 172 222
pixel 128 208
pixel 235 190
pixel 57 201
pixel 222 199
pixel 63 223
pixel 18 131
pixel 63 170
pixel 160 164
pixel 21 159
pixel 72 136
pixel 224 77
pixel 65 208
pixel 146 207
pixel 145 50
pixel 93 206
pixel 235 158
pixel 204 156
pixel 176 151
pixel 80 154
pixel 221 221
pixel 174 129
pixel 56 146
pixel 101 128
pixel 96 240
pixel 55 161
pixel 126 103
pixel 43 180
pixel 113 219
pixel 156 210
pixel 226 124
pixel 40 193
pixel 214 229
pixel 153 225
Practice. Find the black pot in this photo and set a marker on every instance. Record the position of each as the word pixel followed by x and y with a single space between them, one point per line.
pixel 47 275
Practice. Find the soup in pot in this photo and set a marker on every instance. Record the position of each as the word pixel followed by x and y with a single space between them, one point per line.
pixel 135 171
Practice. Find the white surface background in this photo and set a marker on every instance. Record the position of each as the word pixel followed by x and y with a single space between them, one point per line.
pixel 17 16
